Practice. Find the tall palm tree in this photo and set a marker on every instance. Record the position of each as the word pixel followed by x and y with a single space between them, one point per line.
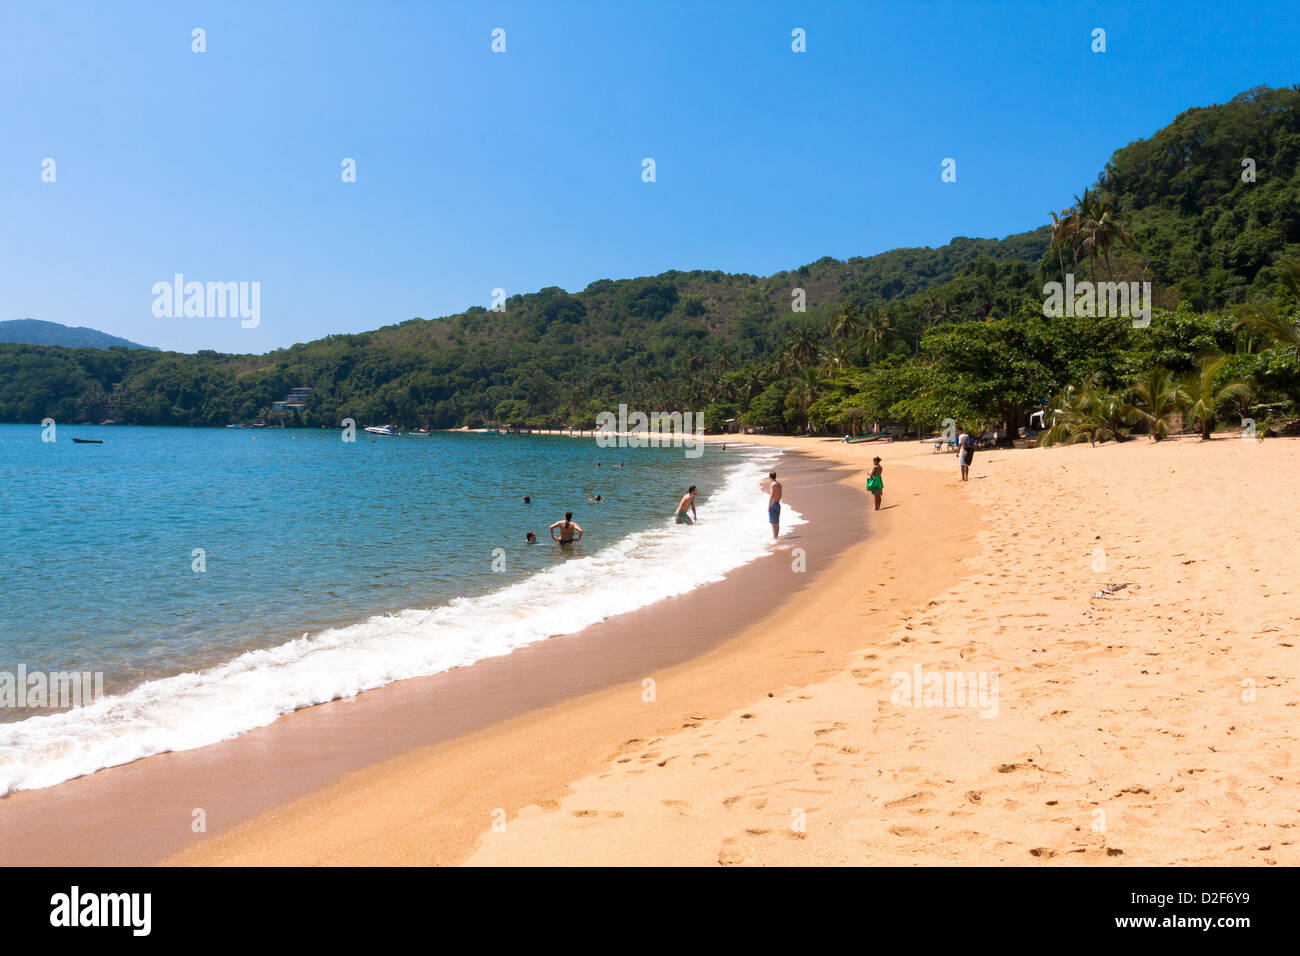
pixel 1158 398
pixel 1205 393
pixel 834 358
pixel 801 349
pixel 805 390
pixel 1095 227
pixel 876 332
pixel 846 324
pixel 1063 227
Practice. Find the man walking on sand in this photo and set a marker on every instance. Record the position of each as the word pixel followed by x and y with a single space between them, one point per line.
pixel 965 451
pixel 774 505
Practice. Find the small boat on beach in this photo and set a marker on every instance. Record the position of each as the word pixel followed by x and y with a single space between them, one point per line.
pixel 388 430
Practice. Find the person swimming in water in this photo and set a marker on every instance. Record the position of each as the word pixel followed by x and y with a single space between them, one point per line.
pixel 688 501
pixel 567 530
pixel 531 538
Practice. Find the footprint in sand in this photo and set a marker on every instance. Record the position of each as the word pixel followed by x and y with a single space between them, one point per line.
pixel 730 853
pixel 909 801
pixel 907 832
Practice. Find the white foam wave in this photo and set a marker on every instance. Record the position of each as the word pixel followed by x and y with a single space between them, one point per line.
pixel 195 709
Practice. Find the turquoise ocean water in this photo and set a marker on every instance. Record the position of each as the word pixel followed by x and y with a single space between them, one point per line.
pixel 328 567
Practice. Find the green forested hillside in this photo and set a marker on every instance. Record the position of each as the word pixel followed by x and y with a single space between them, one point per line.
pixel 912 335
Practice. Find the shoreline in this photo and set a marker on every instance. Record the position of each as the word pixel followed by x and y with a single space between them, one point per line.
pixel 1137 631
pixel 434 805
pixel 139 812
pixel 1141 631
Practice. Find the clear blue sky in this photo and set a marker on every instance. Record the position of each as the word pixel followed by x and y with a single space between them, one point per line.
pixel 522 170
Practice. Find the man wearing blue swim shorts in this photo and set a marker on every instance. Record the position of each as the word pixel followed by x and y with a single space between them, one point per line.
pixel 774 505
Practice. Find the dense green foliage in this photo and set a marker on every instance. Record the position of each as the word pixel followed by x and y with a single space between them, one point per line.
pixel 911 336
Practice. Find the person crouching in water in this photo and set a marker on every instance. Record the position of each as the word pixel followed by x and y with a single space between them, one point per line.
pixel 876 483
pixel 687 502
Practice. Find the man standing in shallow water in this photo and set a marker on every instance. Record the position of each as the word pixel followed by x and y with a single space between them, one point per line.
pixel 774 505
pixel 567 529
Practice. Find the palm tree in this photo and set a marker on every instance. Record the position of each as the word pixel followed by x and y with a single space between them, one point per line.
pixel 1062 229
pixel 876 332
pixel 805 391
pixel 846 325
pixel 1289 281
pixel 1278 322
pixel 1159 396
pixel 801 349
pixel 1088 413
pixel 1095 228
pixel 834 357
pixel 1205 394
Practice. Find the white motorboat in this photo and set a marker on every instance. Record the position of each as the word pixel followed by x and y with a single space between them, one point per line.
pixel 388 430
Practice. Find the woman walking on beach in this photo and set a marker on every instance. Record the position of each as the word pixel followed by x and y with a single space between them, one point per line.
pixel 876 484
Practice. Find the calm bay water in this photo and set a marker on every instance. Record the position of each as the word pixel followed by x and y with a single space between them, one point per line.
pixel 330 566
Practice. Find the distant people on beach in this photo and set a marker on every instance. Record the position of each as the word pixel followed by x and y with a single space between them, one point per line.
pixel 876 483
pixel 774 505
pixel 568 530
pixel 965 451
pixel 531 538
pixel 688 501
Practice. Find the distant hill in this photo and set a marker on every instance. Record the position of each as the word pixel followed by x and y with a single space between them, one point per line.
pixel 1211 201
pixel 36 332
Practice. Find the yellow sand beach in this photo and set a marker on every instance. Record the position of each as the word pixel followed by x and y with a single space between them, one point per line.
pixel 1125 616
